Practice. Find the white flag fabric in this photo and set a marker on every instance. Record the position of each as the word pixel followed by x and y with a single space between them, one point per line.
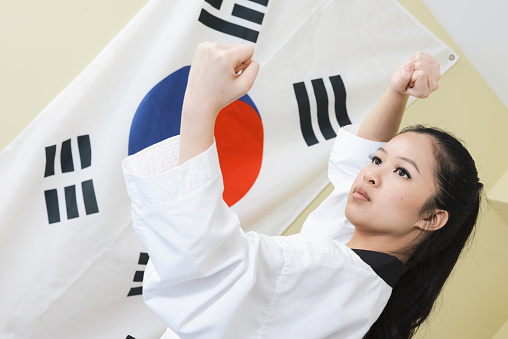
pixel 72 266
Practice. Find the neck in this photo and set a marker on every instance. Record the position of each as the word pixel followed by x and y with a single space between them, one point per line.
pixel 385 243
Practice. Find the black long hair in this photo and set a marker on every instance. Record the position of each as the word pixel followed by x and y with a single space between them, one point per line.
pixel 458 191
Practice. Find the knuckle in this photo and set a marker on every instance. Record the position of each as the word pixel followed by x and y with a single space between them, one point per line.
pixel 205 45
pixel 422 95
pixel 417 55
pixel 206 48
pixel 201 47
pixel 221 57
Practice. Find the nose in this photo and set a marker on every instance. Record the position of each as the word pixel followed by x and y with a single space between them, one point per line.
pixel 372 178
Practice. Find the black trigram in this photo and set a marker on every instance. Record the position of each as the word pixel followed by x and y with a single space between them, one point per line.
pixel 321 96
pixel 239 11
pixel 67 166
pixel 138 276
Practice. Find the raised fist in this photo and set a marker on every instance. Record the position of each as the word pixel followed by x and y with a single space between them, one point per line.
pixel 220 74
pixel 419 77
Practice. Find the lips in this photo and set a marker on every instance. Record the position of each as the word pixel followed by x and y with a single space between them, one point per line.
pixel 360 193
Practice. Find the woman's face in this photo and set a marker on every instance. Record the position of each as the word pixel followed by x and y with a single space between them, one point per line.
pixel 387 196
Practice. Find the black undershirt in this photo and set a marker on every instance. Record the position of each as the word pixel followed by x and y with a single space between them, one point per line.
pixel 387 267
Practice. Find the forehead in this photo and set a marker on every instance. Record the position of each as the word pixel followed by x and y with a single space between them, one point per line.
pixel 415 146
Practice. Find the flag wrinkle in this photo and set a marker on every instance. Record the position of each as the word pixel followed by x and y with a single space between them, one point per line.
pixel 276 53
pixel 304 206
pixel 104 250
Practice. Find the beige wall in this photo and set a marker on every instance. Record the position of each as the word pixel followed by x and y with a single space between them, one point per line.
pixel 45 44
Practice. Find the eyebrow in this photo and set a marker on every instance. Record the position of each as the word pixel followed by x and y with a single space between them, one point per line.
pixel 402 158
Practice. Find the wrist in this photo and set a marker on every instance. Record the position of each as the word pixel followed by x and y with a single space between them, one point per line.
pixel 397 93
pixel 201 109
pixel 199 97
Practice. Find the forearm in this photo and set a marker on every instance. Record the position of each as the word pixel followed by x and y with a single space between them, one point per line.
pixel 418 77
pixel 383 122
pixel 219 75
pixel 196 130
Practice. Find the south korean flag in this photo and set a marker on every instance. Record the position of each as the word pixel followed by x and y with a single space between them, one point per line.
pixel 72 266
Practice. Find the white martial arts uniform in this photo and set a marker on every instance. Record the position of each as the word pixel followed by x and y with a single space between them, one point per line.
pixel 207 278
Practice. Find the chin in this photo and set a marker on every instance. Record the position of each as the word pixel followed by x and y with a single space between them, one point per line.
pixel 354 215
pixel 361 221
pixel 354 219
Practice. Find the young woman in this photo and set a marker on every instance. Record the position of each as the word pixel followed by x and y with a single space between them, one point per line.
pixel 370 260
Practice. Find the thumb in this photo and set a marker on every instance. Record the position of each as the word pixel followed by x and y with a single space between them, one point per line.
pixel 407 71
pixel 401 78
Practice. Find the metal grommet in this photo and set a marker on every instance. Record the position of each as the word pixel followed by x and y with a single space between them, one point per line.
pixel 452 57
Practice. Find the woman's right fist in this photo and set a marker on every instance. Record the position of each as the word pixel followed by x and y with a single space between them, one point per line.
pixel 220 74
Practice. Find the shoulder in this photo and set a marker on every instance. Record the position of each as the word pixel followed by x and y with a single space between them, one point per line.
pixel 339 291
pixel 310 251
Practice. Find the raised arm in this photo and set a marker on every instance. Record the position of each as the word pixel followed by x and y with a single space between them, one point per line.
pixel 202 265
pixel 214 82
pixel 418 77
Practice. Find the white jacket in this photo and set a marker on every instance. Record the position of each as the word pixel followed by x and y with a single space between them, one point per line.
pixel 207 278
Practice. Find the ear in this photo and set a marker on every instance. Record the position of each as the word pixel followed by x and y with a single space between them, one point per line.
pixel 434 221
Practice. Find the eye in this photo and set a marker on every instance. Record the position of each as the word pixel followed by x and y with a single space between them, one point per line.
pixel 403 172
pixel 376 160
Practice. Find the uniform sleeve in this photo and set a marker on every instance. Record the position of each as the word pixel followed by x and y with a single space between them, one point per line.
pixel 202 265
pixel 350 154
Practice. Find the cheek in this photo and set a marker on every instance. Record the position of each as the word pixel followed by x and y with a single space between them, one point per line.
pixel 408 202
pixel 398 200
